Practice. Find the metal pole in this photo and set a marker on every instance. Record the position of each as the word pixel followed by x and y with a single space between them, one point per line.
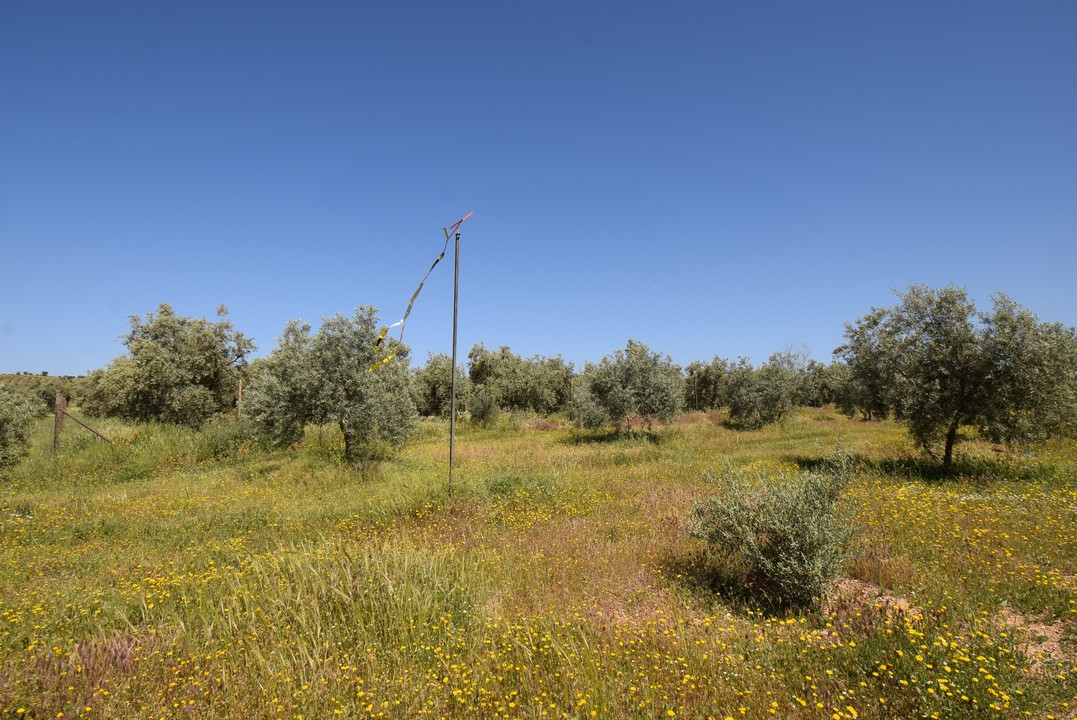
pixel 452 397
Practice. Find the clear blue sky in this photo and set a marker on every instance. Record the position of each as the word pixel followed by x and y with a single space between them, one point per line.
pixel 707 177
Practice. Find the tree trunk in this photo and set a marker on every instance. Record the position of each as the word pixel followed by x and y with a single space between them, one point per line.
pixel 951 437
pixel 347 443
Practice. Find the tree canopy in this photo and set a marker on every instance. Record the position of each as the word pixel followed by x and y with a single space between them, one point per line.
pixel 938 364
pixel 764 395
pixel 704 383
pixel 432 386
pixel 334 376
pixel 539 384
pixel 633 382
pixel 177 369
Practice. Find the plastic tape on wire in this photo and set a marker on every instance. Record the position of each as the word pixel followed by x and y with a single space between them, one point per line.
pixel 411 303
pixel 385 331
pixel 381 362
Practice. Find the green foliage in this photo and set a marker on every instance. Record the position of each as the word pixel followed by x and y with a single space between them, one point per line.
pixel 482 405
pixel 178 369
pixel 432 386
pixel 783 533
pixel 283 393
pixel 225 436
pixel 538 384
pixel 17 413
pixel 47 390
pixel 704 383
pixel 634 382
pixel 42 389
pixel 741 394
pixel 585 410
pixel 330 377
pixel 938 365
pixel 782 378
pixel 549 383
pixel 1031 370
pixel 819 383
pixel 868 356
pixel 759 397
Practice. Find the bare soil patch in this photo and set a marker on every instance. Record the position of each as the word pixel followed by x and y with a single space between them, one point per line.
pixel 1040 642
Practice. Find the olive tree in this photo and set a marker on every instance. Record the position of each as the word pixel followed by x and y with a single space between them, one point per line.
pixel 633 382
pixel 549 383
pixel 42 389
pixel 501 372
pixel 17 412
pixel 819 383
pixel 937 364
pixel 1031 383
pixel 704 382
pixel 539 384
pixel 867 355
pixel 432 386
pixel 765 395
pixel 177 369
pixel 334 375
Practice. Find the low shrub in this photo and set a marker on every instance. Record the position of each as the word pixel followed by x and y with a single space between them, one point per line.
pixel 482 406
pixel 783 534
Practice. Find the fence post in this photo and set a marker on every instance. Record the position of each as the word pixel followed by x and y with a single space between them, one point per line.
pixel 239 397
pixel 61 409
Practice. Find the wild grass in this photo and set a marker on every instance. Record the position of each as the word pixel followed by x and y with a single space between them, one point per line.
pixel 183 574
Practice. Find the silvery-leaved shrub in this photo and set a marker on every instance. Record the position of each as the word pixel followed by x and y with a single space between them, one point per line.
pixel 431 386
pixel 783 533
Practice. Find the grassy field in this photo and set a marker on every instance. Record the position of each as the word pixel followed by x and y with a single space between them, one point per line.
pixel 177 574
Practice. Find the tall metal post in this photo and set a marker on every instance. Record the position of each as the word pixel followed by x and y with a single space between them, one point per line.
pixel 452 397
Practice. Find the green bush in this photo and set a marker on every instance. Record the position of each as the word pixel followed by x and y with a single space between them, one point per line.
pixel 431 386
pixel 17 414
pixel 584 409
pixel 179 370
pixel 482 405
pixel 762 396
pixel 537 384
pixel 633 382
pixel 703 384
pixel 783 534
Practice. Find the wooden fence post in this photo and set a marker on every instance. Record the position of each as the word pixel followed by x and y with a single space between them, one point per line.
pixel 61 410
pixel 61 413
